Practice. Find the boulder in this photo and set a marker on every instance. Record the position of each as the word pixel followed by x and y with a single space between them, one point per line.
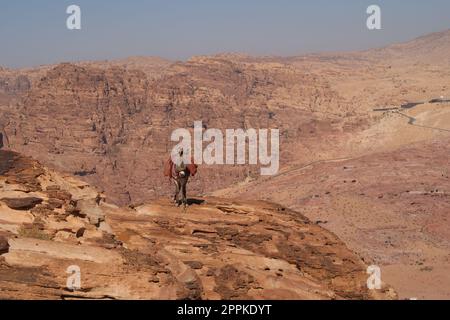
pixel 22 203
pixel 4 246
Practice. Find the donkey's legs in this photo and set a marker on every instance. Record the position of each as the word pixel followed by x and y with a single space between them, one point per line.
pixel 177 191
pixel 183 191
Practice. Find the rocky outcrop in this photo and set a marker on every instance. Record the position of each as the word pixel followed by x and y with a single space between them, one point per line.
pixel 216 249
pixel 21 203
pixel 14 84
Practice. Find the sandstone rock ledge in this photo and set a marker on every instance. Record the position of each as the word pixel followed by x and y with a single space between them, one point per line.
pixel 216 249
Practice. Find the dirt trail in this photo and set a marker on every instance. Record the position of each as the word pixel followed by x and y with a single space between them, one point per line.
pixel 412 121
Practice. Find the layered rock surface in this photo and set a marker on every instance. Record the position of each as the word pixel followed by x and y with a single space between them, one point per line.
pixel 216 249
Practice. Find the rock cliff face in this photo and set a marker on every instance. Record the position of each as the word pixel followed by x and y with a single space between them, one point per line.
pixel 12 85
pixel 51 224
pixel 112 125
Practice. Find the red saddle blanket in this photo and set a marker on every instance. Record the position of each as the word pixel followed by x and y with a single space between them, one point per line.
pixel 169 168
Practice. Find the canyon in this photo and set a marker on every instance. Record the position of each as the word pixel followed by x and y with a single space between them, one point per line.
pixel 375 180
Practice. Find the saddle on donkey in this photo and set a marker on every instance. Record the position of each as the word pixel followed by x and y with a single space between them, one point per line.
pixel 170 168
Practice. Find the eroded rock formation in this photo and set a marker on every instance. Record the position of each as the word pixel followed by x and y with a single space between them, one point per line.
pixel 217 249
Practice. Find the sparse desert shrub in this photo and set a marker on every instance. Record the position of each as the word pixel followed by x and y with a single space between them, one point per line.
pixel 34 232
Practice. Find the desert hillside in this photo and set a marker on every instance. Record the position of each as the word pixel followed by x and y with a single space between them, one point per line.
pixel 110 122
pixel 217 249
pixel 364 154
pixel 391 207
pixel 384 191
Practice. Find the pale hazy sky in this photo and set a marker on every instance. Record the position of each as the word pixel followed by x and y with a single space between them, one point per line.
pixel 33 32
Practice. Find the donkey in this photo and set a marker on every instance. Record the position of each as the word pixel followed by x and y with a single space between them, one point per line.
pixel 179 174
pixel 180 179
